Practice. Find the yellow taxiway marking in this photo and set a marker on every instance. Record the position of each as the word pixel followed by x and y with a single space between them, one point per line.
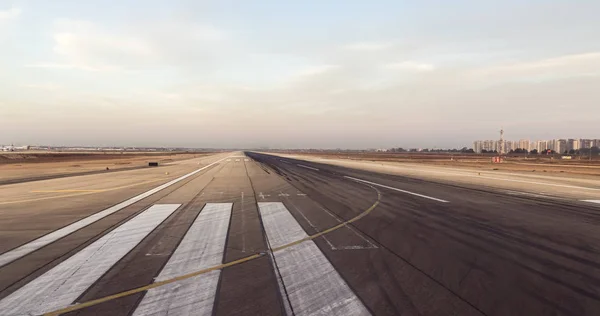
pixel 77 192
pixel 217 267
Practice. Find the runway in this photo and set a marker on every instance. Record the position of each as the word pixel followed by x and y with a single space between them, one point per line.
pixel 250 233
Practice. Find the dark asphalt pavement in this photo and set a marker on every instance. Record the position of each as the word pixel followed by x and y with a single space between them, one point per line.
pixel 425 249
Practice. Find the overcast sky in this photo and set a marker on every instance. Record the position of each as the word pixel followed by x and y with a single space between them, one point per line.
pixel 312 73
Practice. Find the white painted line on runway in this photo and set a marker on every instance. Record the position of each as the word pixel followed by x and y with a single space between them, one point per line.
pixel 496 178
pixel 36 244
pixel 61 285
pixel 284 161
pixel 592 201
pixel 307 278
pixel 371 245
pixel 202 247
pixel 519 193
pixel 307 167
pixel 243 224
pixel 262 196
pixel 396 189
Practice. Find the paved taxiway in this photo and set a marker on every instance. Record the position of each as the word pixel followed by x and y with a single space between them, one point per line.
pixel 232 234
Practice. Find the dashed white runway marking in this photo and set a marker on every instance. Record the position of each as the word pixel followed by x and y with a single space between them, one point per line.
pixel 396 189
pixel 36 244
pixel 262 196
pixel 467 174
pixel 307 280
pixel 202 247
pixel 592 201
pixel 307 167
pixel 61 285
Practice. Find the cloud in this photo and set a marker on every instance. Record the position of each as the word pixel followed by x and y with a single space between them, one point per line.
pixel 43 86
pixel 87 46
pixel 317 70
pixel 9 14
pixel 368 46
pixel 49 65
pixel 411 65
pixel 83 45
pixel 586 64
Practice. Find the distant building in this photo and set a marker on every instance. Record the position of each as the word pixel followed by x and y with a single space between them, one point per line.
pixel 576 144
pixel 561 145
pixel 572 144
pixel 558 145
pixel 524 144
pixel 489 145
pixel 13 148
pixel 511 145
pixel 478 146
pixel 542 145
pixel 587 143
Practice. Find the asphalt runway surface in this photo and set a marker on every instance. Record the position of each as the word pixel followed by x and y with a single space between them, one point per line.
pixel 256 234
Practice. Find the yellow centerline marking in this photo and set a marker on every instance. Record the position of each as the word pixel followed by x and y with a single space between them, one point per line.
pixel 78 193
pixel 151 286
pixel 217 267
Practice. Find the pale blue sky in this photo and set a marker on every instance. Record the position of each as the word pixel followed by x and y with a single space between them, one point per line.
pixel 297 74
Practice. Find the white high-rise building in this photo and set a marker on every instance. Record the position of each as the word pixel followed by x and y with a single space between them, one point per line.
pixel 587 143
pixel 524 144
pixel 542 145
pixel 489 145
pixel 576 144
pixel 477 146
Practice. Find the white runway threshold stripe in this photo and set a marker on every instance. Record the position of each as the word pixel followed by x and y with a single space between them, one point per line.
pixel 36 244
pixel 62 285
pixel 396 189
pixel 311 285
pixel 202 247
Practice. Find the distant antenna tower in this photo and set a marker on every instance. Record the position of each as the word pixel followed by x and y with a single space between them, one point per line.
pixel 501 141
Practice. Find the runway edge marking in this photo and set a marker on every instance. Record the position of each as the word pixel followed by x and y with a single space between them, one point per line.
pixel 592 201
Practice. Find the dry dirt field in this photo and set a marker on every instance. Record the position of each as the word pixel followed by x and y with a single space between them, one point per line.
pixel 532 164
pixel 27 166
